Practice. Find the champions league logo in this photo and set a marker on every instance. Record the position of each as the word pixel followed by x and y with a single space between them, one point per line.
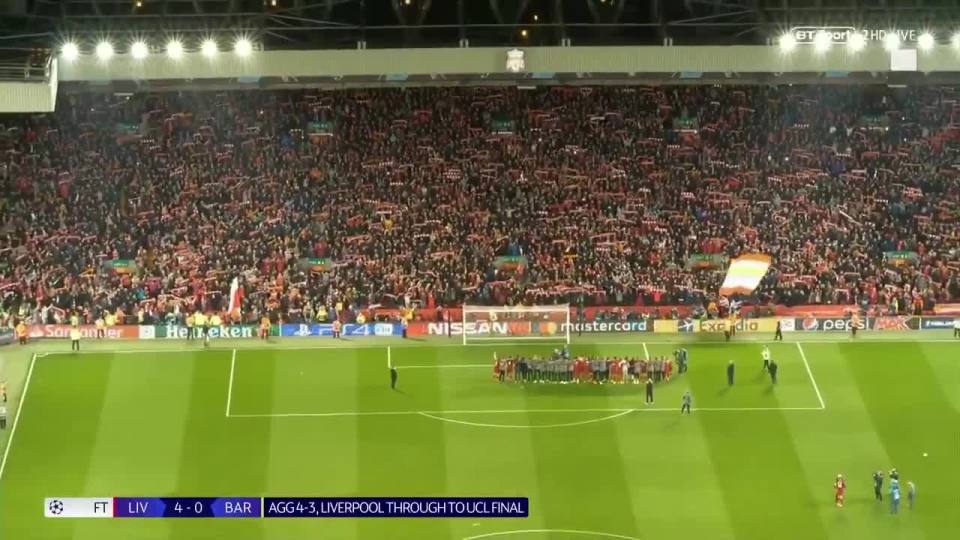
pixel 55 507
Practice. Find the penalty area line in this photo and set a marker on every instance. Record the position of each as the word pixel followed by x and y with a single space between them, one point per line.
pixel 16 418
pixel 816 388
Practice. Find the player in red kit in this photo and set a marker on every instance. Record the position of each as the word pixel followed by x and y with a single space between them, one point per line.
pixel 511 368
pixel 840 486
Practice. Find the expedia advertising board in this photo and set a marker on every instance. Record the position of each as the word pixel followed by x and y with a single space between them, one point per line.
pixel 743 325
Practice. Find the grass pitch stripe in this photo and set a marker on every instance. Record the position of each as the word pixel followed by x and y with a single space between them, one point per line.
pixel 816 388
pixel 16 418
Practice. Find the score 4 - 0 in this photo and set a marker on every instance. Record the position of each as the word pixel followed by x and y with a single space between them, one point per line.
pixel 195 508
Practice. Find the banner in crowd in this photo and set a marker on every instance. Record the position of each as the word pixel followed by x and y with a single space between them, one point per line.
pixel 121 266
pixel 686 122
pixel 347 330
pixel 501 124
pixel 745 273
pixel 316 264
pixel 515 263
pixel 705 261
pixel 901 258
pixel 936 323
pixel 126 132
pixel 62 331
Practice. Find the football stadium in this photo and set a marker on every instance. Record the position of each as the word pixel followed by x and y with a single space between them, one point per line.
pixel 464 269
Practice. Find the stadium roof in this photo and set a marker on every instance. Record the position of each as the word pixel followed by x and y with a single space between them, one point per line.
pixel 306 24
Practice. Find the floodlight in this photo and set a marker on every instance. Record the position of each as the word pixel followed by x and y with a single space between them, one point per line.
pixel 208 48
pixel 891 41
pixel 69 51
pixel 787 42
pixel 822 41
pixel 925 41
pixel 139 50
pixel 243 47
pixel 174 49
pixel 104 50
pixel 955 40
pixel 856 42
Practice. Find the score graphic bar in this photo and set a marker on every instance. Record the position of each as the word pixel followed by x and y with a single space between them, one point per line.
pixel 286 507
pixel 152 507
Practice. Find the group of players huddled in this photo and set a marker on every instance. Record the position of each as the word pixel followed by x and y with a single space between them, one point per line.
pixel 561 368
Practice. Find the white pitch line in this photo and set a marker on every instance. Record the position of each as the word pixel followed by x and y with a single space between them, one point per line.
pixel 528 426
pixel 646 353
pixel 233 366
pixel 810 373
pixel 515 411
pixel 447 366
pixel 414 345
pixel 16 418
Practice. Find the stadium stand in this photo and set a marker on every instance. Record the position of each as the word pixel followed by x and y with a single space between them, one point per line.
pixel 398 197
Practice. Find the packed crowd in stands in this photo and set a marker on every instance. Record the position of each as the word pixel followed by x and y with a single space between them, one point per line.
pixel 149 206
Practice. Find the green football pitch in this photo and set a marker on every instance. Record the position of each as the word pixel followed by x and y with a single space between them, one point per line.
pixel 318 418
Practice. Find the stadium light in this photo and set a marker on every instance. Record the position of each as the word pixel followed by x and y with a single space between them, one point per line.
pixel 70 51
pixel 174 49
pixel 822 41
pixel 104 50
pixel 208 48
pixel 891 41
pixel 856 42
pixel 955 40
pixel 787 42
pixel 139 50
pixel 925 41
pixel 243 47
